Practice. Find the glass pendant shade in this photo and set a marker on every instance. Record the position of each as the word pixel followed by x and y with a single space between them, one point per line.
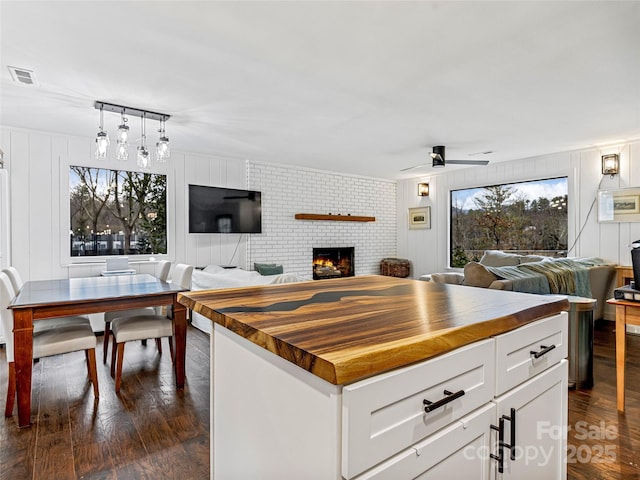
pixel 163 151
pixel 122 152
pixel 123 134
pixel 143 158
pixel 102 145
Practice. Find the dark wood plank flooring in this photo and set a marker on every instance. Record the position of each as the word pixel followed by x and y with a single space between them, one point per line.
pixel 152 431
pixel 602 443
pixel 149 431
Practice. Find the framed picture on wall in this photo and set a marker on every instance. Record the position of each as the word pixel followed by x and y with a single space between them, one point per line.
pixel 619 205
pixel 419 218
pixel 627 204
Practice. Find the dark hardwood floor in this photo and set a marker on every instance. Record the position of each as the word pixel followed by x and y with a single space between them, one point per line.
pixel 152 431
pixel 602 443
pixel 149 431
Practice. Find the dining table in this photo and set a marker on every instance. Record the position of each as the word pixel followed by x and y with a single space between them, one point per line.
pixel 40 300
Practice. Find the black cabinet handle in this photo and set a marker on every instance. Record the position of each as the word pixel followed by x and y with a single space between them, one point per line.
pixel 450 397
pixel 542 352
pixel 500 456
pixel 512 445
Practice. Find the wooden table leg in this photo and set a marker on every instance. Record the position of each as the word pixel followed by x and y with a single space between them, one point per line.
pixel 180 340
pixel 621 330
pixel 23 356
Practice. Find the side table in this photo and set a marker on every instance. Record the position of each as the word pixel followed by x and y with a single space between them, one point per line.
pixel 627 313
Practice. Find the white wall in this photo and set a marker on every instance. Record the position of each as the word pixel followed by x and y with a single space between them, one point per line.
pixel 38 166
pixel 287 191
pixel 428 249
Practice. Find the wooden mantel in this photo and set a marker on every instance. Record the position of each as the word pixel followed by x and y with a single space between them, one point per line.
pixel 335 218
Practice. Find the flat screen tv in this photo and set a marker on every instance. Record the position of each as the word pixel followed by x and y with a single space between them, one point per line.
pixel 224 210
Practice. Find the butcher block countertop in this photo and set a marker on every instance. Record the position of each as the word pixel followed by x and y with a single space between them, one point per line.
pixel 347 329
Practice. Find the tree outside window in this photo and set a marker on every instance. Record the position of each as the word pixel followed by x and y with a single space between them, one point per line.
pixel 117 212
pixel 526 218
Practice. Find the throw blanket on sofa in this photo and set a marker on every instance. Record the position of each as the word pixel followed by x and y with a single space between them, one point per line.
pixel 526 281
pixel 567 276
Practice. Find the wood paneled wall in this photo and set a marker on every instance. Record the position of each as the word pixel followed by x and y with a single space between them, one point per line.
pixel 38 165
pixel 428 249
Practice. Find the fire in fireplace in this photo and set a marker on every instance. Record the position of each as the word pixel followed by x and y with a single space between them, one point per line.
pixel 333 263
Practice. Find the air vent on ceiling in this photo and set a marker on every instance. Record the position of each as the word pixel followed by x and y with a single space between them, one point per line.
pixel 23 76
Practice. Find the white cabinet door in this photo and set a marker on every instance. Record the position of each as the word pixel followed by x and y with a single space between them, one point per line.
pixel 459 451
pixel 540 407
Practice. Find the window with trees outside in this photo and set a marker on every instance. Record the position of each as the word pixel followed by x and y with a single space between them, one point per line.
pixel 525 218
pixel 117 212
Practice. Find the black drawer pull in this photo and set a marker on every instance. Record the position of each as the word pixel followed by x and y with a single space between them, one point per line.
pixel 450 397
pixel 542 352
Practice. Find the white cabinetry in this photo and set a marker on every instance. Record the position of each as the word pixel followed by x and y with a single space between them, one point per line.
pixel 273 420
pixel 531 391
pixel 385 414
pixel 540 407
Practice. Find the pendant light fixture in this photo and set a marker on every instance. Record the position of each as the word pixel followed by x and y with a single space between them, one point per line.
pixel 122 152
pixel 143 158
pixel 102 140
pixel 163 151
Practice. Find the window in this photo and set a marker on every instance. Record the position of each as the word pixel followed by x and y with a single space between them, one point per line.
pixel 526 217
pixel 117 212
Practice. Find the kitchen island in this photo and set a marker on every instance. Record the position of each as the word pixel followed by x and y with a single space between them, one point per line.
pixel 349 378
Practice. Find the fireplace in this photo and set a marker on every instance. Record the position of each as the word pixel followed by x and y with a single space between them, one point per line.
pixel 333 263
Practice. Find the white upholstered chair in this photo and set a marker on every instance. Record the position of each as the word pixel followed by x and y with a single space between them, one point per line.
pixel 141 327
pixel 17 283
pixel 65 338
pixel 163 273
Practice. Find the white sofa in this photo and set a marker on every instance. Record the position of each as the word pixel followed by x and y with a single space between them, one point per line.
pixel 214 277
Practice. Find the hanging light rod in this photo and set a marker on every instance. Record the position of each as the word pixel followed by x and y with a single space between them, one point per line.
pixel 136 112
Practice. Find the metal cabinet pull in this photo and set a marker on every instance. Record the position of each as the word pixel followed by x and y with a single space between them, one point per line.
pixel 450 397
pixel 542 352
pixel 500 456
pixel 512 443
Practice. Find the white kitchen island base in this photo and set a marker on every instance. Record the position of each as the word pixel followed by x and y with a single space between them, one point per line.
pixel 274 420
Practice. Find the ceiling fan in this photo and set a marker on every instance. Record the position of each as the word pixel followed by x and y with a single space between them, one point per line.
pixel 438 160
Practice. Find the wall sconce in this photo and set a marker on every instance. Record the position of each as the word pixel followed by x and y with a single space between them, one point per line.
pixel 610 164
pixel 423 189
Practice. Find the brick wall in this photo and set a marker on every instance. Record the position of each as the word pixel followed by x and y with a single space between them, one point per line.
pixel 287 241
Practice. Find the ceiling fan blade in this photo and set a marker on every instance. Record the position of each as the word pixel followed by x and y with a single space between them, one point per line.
pixel 467 162
pixel 415 166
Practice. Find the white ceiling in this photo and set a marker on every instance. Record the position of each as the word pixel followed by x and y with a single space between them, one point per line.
pixel 349 86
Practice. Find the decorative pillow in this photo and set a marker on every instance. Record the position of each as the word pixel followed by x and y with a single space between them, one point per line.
pixel 268 268
pixel 497 258
pixel 475 275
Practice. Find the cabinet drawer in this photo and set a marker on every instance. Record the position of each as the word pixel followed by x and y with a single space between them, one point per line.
pixel 514 361
pixel 385 414
pixel 460 450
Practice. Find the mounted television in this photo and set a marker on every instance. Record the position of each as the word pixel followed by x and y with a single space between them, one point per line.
pixel 224 210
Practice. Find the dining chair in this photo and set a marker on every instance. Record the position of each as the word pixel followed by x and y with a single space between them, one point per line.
pixel 141 327
pixel 164 267
pixel 54 341
pixel 17 283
